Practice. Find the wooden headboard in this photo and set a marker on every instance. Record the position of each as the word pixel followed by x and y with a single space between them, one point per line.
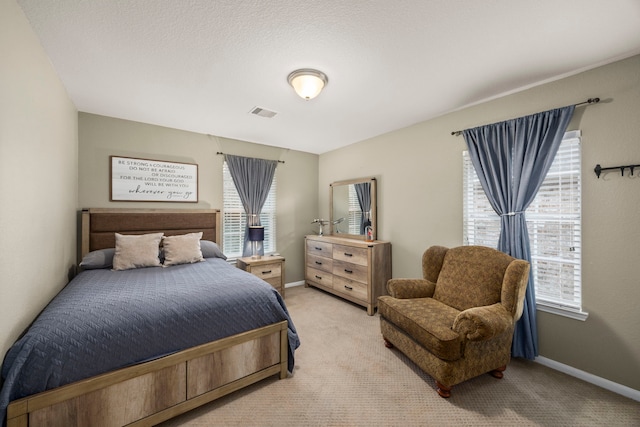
pixel 99 225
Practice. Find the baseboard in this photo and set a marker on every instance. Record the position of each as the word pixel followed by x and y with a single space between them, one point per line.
pixel 590 378
pixel 292 284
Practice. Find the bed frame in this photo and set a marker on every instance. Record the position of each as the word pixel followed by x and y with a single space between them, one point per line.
pixel 155 391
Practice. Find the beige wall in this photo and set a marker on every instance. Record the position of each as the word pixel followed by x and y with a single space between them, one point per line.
pixel 419 169
pixel 297 197
pixel 38 177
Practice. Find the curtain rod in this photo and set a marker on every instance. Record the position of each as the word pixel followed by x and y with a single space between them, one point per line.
pixel 220 153
pixel 587 102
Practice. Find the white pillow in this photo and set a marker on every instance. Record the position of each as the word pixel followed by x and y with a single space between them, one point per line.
pixel 133 251
pixel 182 249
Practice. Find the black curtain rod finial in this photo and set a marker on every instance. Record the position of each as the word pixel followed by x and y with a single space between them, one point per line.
pixel 589 102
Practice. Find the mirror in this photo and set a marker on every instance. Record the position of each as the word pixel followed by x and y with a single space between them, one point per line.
pixel 352 206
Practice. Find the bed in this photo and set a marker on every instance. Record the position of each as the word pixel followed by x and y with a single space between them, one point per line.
pixel 139 346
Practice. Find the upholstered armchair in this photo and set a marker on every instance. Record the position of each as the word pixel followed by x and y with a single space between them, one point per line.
pixel 458 321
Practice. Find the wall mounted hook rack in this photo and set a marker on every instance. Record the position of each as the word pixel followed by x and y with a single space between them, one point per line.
pixel 599 169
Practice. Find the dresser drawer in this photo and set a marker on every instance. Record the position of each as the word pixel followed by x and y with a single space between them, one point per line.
pixel 320 263
pixel 320 277
pixel 350 271
pixel 350 287
pixel 323 249
pixel 350 254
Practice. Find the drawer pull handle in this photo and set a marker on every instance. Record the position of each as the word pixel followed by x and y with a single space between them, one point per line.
pixel 346 254
pixel 318 249
pixel 349 288
pixel 318 262
pixel 318 277
pixel 266 272
pixel 348 271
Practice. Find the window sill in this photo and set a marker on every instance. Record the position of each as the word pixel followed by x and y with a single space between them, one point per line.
pixel 563 311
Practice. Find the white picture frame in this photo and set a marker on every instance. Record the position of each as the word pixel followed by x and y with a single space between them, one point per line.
pixel 146 180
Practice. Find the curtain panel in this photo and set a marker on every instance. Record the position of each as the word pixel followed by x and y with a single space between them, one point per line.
pixel 252 178
pixel 512 159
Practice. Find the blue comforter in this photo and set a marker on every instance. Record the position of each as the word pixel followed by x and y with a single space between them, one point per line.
pixel 105 320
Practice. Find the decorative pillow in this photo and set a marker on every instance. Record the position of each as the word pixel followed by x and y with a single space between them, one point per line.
pixel 182 249
pixel 133 251
pixel 102 258
pixel 211 250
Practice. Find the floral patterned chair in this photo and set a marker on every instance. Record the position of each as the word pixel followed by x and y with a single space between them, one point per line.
pixel 457 322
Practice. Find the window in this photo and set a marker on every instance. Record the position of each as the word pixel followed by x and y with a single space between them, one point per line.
pixel 554 225
pixel 234 218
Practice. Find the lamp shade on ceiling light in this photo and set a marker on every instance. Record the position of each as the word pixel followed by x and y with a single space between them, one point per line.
pixel 308 83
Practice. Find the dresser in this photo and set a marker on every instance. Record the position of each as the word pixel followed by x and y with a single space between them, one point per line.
pixel 349 268
pixel 269 268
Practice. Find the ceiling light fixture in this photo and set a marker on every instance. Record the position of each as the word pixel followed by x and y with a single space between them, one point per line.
pixel 307 83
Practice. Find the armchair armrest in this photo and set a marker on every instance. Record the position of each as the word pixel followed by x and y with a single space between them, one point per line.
pixel 410 288
pixel 482 323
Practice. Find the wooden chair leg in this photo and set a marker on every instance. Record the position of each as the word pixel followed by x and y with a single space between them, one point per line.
pixel 387 343
pixel 498 372
pixel 443 390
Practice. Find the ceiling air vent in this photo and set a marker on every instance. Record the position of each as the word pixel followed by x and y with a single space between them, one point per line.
pixel 262 112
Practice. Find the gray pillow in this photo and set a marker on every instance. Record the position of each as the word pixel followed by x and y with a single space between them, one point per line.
pixel 211 250
pixel 102 258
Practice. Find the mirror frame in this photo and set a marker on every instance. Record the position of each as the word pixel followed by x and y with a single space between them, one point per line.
pixel 374 207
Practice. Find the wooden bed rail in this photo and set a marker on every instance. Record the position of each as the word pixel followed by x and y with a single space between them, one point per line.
pixel 155 391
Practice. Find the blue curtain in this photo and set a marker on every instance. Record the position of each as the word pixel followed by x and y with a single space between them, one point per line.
pixel 252 178
pixel 512 159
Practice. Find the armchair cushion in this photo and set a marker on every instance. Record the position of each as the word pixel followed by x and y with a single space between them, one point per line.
pixel 427 321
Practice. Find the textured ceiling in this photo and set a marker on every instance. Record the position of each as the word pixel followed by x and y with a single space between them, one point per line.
pixel 202 65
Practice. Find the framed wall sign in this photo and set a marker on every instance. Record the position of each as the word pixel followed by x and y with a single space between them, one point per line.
pixel 145 180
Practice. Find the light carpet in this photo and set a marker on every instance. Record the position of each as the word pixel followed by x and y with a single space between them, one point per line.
pixel 345 376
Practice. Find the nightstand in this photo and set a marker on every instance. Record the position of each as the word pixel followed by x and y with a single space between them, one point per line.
pixel 269 268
